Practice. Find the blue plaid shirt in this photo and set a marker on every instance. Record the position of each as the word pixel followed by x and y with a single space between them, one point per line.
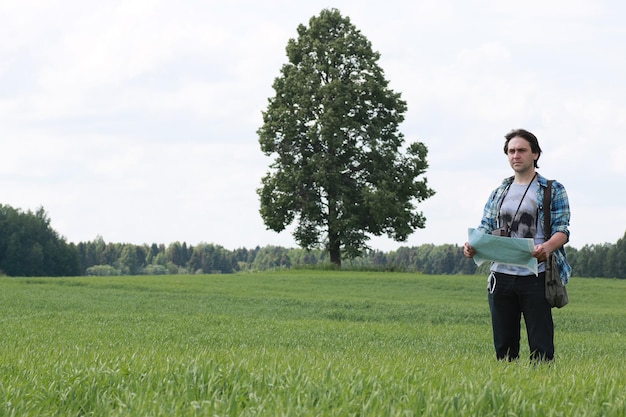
pixel 559 216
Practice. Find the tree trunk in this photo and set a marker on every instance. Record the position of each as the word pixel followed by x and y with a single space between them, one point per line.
pixel 334 240
pixel 334 249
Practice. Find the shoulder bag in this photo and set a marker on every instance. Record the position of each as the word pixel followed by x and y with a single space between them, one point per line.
pixel 556 293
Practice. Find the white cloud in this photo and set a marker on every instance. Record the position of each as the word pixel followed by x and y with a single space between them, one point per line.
pixel 542 9
pixel 618 160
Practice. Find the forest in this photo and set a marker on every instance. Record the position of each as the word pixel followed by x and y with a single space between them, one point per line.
pixel 30 247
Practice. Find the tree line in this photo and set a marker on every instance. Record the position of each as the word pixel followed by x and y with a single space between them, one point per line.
pixel 100 258
pixel 30 247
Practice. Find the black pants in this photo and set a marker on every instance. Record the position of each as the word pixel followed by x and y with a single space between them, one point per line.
pixel 510 297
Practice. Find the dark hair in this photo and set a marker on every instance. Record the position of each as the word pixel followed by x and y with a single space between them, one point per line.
pixel 530 138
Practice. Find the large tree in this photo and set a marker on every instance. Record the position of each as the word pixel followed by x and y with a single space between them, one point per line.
pixel 341 166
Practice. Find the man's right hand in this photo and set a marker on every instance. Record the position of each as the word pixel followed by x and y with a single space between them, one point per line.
pixel 468 251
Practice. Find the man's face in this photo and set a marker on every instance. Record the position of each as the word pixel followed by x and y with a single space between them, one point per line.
pixel 521 157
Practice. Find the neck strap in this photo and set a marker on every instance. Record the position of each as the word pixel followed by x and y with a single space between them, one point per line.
pixel 520 201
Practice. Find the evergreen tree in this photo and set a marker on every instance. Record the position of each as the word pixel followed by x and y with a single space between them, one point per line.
pixel 30 247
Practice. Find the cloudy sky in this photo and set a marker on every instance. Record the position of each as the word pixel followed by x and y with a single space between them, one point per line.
pixel 136 120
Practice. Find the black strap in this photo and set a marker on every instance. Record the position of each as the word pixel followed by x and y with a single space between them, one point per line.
pixel 547 201
pixel 520 202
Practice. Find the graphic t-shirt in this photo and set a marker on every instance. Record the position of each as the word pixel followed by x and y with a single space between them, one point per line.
pixel 523 225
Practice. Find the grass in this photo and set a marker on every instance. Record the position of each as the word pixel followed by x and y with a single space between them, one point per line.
pixel 296 343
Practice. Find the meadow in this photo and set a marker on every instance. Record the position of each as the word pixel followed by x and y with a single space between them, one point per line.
pixel 297 343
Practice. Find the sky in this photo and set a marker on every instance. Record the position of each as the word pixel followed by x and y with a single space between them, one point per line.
pixel 136 120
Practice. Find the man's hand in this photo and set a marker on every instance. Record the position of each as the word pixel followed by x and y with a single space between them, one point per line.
pixel 541 253
pixel 543 250
pixel 468 251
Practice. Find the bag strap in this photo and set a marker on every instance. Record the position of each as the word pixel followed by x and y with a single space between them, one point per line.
pixel 547 201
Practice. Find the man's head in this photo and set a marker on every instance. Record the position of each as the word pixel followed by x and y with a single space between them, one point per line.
pixel 526 135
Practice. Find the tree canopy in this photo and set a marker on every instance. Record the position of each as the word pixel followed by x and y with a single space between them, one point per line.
pixel 341 168
pixel 30 247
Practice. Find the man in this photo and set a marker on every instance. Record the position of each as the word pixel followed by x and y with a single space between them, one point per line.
pixel 515 209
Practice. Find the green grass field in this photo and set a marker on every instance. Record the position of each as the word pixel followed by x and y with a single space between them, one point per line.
pixel 296 343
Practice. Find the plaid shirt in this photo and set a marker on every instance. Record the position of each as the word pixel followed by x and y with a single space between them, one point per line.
pixel 559 216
